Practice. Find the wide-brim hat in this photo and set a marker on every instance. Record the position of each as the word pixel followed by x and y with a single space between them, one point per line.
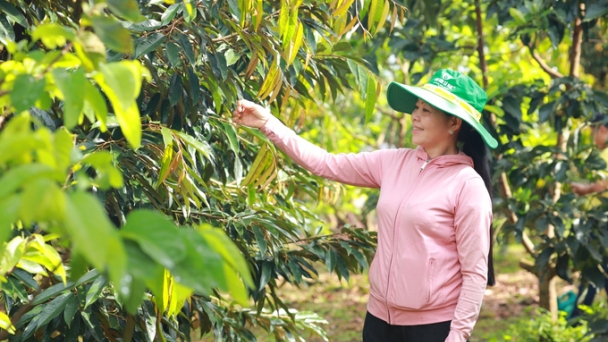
pixel 449 91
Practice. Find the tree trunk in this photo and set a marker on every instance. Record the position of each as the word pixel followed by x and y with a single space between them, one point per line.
pixel 547 294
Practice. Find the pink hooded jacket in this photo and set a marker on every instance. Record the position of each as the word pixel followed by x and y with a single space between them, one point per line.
pixel 433 229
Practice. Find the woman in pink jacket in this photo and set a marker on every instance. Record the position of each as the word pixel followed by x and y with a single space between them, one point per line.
pixel 434 259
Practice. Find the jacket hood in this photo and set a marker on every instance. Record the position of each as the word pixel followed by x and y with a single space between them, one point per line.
pixel 446 160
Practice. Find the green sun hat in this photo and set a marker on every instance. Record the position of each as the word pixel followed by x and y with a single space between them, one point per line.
pixel 448 90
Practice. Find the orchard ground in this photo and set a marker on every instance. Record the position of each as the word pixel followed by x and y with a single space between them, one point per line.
pixel 343 304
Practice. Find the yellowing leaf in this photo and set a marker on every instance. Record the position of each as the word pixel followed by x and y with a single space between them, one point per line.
pixel 259 13
pixel 372 14
pixel 383 16
pixel 6 324
pixel 294 45
pixel 343 8
pixel 270 81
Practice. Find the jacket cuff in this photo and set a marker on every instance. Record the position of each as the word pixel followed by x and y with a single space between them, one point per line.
pixel 272 125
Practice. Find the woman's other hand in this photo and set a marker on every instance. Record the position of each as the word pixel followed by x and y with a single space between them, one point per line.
pixel 250 114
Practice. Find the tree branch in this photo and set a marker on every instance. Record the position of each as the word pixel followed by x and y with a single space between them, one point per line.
pixel 575 52
pixel 225 38
pixel 480 45
pixel 543 65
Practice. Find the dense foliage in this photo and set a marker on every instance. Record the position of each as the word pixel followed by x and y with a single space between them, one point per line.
pixel 120 111
pixel 119 155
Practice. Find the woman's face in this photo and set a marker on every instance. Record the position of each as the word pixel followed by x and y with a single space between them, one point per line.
pixel 431 127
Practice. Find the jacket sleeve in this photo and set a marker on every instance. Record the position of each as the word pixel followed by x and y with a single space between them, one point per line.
pixel 361 169
pixel 472 225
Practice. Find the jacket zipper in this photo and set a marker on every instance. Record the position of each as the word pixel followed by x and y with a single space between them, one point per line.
pixel 390 264
pixel 426 162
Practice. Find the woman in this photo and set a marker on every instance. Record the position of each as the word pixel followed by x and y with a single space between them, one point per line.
pixel 433 260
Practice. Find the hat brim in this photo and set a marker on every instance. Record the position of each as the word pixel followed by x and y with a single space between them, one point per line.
pixel 403 98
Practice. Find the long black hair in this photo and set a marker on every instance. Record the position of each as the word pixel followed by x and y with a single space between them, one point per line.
pixel 474 147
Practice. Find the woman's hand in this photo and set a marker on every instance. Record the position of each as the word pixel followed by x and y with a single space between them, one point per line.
pixel 580 188
pixel 250 114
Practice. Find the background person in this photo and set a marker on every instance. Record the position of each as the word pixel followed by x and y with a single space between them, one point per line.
pixel 433 260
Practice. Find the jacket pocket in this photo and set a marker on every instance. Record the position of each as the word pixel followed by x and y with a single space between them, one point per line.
pixel 411 285
pixel 377 282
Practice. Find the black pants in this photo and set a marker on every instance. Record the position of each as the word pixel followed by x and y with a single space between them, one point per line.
pixel 377 330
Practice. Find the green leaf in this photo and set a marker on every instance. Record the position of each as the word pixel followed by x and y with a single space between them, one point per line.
pixel 70 310
pixel 26 91
pixel 519 17
pixel 266 274
pixel 122 83
pixel 112 33
pixel 13 13
pixel 147 44
pixel 72 87
pixel 156 235
pixel 13 287
pixel 53 35
pixel 89 276
pixel 231 57
pixel 596 10
pixel 221 243
pixel 94 291
pixel 14 178
pixel 175 89
pixel 145 26
pixel 259 238
pixel 135 295
pixel 202 268
pixel 185 43
pixel 127 9
pixel 93 235
pixel 172 54
pixel 6 31
pixel 194 84
pixel 232 138
pixel 49 199
pixel 95 103
pixel 141 265
pixel 370 99
pixel 51 292
pixel 107 174
pixel 201 146
pixel 512 107
pixel 544 112
pixel 169 13
pixel 26 278
pixel 53 309
pixel 167 136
